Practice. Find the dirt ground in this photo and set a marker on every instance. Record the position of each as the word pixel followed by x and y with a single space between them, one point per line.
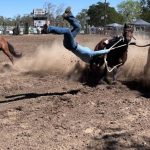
pixel 43 105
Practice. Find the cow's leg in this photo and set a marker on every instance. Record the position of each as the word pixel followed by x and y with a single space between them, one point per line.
pixel 114 75
pixel 104 78
pixel 146 67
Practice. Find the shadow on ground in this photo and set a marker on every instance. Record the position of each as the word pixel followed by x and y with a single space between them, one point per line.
pixel 138 85
pixel 119 140
pixel 24 96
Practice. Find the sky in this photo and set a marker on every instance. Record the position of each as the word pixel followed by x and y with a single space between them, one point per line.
pixel 13 8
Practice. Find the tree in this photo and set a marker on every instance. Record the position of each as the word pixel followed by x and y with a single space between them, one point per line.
pixel 130 9
pixel 59 9
pixel 49 7
pixel 82 17
pixel 145 5
pixel 101 14
pixel 1 20
pixel 26 20
pixel 53 11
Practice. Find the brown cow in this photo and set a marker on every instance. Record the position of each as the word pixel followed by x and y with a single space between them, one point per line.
pixel 115 58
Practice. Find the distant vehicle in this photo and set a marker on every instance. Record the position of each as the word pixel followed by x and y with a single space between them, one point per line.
pixel 82 32
pixel 10 32
pixel 21 30
pixel 33 30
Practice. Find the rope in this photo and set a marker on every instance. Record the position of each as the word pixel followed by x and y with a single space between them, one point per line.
pixel 142 45
pixel 119 46
pixel 111 48
pixel 106 64
pixel 129 44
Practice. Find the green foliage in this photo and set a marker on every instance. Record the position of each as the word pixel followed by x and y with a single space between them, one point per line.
pixel 146 16
pixel 96 14
pixel 1 20
pixel 145 5
pixel 130 9
pixel 101 14
pixel 114 16
pixel 82 17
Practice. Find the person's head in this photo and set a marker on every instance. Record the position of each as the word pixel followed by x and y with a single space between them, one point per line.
pixel 128 32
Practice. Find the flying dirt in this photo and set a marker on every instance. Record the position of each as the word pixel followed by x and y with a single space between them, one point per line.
pixel 44 104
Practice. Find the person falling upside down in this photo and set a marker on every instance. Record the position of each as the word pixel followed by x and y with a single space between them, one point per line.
pixel 84 53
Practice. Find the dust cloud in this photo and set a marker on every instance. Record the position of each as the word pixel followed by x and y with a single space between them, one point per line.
pixel 137 66
pixel 136 61
pixel 50 59
pixel 56 58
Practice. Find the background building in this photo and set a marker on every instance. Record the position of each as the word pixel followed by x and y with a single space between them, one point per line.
pixel 39 17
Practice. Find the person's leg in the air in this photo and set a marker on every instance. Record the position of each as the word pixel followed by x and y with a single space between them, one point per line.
pixel 84 53
pixel 73 21
pixel 68 41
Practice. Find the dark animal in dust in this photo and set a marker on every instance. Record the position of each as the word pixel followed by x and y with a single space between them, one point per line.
pixel 115 58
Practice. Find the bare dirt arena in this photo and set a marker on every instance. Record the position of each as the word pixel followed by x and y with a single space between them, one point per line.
pixel 44 106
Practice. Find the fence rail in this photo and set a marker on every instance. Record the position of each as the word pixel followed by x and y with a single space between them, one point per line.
pixel 93 30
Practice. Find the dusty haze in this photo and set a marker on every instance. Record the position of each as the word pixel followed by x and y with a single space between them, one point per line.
pixel 55 58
